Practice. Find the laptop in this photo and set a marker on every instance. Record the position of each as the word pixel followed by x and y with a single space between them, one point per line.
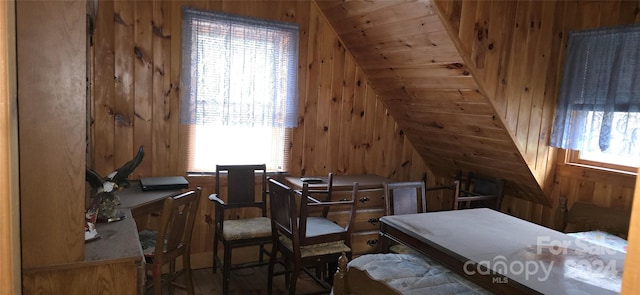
pixel 163 183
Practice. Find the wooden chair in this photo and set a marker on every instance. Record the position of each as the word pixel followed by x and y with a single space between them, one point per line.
pixel 304 241
pixel 231 231
pixel 479 191
pixel 172 240
pixel 323 195
pixel 454 188
pixel 407 197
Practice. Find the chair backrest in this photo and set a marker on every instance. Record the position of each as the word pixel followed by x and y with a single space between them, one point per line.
pixel 323 194
pixel 485 191
pixel 405 197
pixel 176 225
pixel 241 185
pixel 283 209
pixel 290 215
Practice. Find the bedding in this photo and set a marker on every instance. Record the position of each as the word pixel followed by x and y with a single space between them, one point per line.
pixel 413 274
pixel 602 238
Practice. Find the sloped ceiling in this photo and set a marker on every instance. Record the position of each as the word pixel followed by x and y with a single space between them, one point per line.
pixel 413 63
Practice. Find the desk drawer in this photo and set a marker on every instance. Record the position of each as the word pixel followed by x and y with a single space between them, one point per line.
pixel 366 198
pixel 364 242
pixel 368 220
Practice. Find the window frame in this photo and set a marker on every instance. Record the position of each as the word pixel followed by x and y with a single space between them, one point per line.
pixel 290 47
pixel 572 157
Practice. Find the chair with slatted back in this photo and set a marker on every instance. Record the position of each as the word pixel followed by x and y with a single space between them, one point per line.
pixel 171 241
pixel 479 191
pixel 306 241
pixel 323 194
pixel 245 184
pixel 407 197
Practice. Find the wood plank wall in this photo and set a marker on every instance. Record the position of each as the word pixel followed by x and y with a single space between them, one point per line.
pixel 343 126
pixel 9 204
pixel 515 50
pixel 135 101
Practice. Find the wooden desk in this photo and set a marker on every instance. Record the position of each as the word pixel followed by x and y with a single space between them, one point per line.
pixel 115 257
pixel 142 203
pixel 521 252
pixel 364 236
pixel 113 264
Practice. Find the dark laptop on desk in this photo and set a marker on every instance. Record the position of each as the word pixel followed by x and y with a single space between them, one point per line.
pixel 163 183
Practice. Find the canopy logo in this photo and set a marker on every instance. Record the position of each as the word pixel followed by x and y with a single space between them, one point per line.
pixel 574 258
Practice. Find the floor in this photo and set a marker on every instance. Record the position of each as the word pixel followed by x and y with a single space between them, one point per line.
pixel 249 281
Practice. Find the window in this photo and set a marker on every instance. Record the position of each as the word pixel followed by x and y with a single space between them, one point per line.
pixel 239 89
pixel 601 161
pixel 598 112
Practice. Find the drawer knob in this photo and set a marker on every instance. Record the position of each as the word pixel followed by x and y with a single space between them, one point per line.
pixel 372 243
pixel 364 199
pixel 374 221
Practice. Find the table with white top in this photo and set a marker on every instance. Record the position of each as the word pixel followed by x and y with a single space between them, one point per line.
pixel 508 255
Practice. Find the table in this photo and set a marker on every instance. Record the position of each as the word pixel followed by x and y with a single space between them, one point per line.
pixel 506 254
pixel 364 236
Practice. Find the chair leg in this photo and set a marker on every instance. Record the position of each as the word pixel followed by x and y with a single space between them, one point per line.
pixel 215 250
pixel 287 274
pixel 186 265
pixel 261 254
pixel 171 276
pixel 226 270
pixel 272 262
pixel 157 279
pixel 294 279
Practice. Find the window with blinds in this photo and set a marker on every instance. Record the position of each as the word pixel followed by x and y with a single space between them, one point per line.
pixel 598 107
pixel 239 89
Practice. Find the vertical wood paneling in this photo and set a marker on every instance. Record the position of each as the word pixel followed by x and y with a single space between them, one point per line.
pixel 326 40
pixel 162 88
pixel 143 85
pixel 348 93
pixel 102 101
pixel 310 100
pixel 123 116
pixel 356 155
pixel 52 130
pixel 9 225
pixel 335 110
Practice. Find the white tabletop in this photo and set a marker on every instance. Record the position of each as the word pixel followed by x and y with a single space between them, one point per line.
pixel 537 257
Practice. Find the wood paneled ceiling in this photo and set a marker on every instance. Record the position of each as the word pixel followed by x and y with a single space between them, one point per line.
pixel 412 62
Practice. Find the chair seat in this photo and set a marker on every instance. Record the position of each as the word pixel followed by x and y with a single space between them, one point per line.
pixel 239 229
pixel 148 241
pixel 336 247
pixel 318 226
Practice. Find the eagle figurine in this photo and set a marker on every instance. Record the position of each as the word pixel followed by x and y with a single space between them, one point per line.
pixel 117 178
